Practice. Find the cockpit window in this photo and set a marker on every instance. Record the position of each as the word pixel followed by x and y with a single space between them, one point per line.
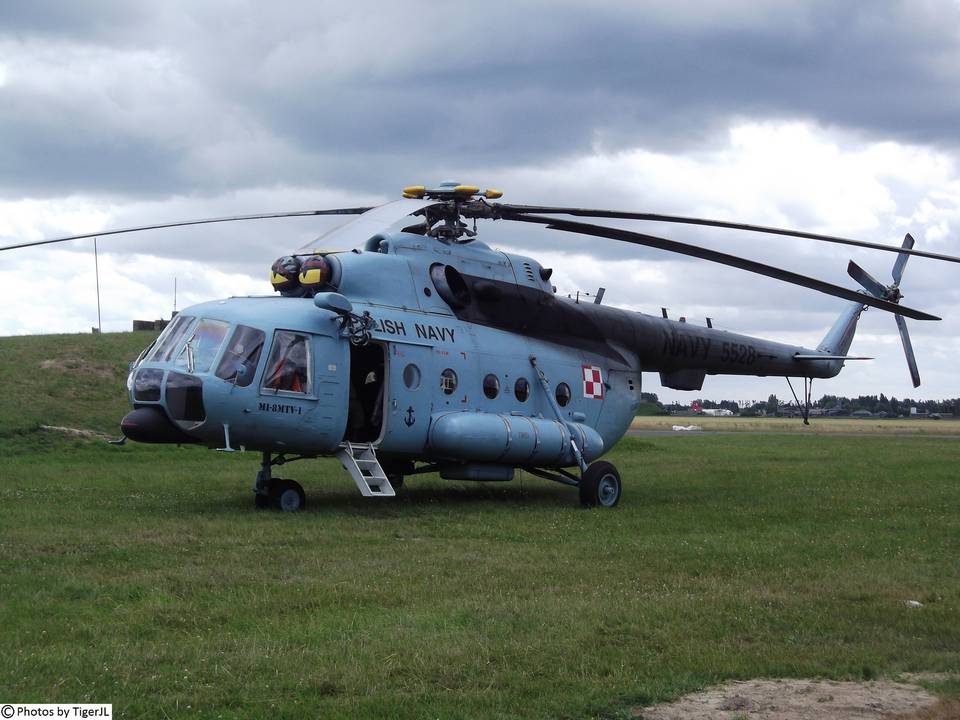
pixel 200 350
pixel 142 355
pixel 239 362
pixel 288 369
pixel 170 339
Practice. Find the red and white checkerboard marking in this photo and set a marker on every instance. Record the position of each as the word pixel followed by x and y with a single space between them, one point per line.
pixel 592 382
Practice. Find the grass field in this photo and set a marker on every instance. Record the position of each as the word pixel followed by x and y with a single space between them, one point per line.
pixel 143 576
pixel 872 426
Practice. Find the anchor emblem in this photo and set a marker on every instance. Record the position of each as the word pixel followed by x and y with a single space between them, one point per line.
pixel 409 420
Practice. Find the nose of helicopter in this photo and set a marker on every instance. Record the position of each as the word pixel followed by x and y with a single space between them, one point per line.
pixel 164 412
pixel 150 424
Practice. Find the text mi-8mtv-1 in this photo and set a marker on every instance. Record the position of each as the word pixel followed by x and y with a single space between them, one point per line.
pixel 425 350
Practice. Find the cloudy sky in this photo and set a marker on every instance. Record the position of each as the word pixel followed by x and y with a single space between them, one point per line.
pixel 841 118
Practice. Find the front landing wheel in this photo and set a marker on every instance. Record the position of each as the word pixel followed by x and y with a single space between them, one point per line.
pixel 600 485
pixel 287 495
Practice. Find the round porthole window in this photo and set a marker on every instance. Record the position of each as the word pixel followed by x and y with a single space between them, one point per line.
pixel 521 389
pixel 411 376
pixel 448 382
pixel 491 386
pixel 563 394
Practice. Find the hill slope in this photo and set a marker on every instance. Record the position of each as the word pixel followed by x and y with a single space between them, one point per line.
pixel 72 380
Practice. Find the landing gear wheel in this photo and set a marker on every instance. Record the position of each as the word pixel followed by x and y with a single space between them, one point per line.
pixel 287 495
pixel 600 485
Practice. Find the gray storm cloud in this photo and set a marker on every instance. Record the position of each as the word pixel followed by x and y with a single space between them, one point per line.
pixel 119 113
pixel 177 97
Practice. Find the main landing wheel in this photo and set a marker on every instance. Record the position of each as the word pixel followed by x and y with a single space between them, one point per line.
pixel 600 485
pixel 287 495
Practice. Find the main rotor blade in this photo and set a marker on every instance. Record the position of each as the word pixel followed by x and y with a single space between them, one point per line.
pixel 902 258
pixel 181 223
pixel 908 351
pixel 724 259
pixel 508 211
pixel 360 229
pixel 866 280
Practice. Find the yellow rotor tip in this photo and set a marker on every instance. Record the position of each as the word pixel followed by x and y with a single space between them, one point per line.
pixel 414 191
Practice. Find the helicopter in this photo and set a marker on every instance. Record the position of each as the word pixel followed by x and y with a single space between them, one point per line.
pixel 424 350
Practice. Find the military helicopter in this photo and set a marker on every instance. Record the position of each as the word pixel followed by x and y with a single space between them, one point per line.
pixel 424 350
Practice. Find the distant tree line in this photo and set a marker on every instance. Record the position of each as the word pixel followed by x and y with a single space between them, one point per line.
pixel 875 404
pixel 882 404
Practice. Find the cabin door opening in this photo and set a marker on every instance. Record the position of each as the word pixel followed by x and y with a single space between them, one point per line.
pixel 367 393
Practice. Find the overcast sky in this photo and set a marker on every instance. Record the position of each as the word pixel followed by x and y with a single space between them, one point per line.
pixel 841 118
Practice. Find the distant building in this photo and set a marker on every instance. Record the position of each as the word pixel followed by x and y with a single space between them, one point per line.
pixel 150 324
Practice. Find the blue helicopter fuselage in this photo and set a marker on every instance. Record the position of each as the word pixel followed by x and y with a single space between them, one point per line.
pixel 450 371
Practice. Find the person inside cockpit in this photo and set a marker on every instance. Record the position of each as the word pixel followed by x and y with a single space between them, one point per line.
pixel 288 370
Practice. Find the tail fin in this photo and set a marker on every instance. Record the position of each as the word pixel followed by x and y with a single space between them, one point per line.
pixel 838 339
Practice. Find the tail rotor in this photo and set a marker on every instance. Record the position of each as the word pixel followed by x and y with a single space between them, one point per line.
pixel 891 293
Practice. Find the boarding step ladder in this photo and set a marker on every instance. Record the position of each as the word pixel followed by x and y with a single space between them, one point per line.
pixel 360 460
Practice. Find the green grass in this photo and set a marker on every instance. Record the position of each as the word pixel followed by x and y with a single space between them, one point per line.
pixel 818 425
pixel 68 380
pixel 142 575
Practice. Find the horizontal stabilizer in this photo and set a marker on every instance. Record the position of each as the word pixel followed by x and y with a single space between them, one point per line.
pixel 830 357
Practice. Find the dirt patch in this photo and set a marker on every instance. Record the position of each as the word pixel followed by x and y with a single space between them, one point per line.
pixel 73 364
pixel 943 710
pixel 797 700
pixel 76 432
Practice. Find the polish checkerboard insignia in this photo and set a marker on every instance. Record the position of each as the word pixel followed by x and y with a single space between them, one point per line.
pixel 592 382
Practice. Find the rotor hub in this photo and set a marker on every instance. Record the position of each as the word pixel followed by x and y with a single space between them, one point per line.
pixel 455 202
pixel 450 190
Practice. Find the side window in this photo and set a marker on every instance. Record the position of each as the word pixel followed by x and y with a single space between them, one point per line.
pixel 521 389
pixel 491 386
pixel 448 381
pixel 288 369
pixel 239 362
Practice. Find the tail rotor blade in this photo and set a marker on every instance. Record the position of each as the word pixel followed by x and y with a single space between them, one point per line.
pixel 868 281
pixel 908 350
pixel 902 258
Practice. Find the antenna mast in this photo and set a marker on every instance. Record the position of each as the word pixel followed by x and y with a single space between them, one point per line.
pixel 96 271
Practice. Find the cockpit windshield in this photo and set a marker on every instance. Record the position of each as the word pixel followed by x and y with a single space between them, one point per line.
pixel 170 339
pixel 203 345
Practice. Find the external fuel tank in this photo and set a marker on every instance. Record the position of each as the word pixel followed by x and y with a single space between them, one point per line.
pixel 511 439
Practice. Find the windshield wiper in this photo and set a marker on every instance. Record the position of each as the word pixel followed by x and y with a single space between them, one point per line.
pixel 189 349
